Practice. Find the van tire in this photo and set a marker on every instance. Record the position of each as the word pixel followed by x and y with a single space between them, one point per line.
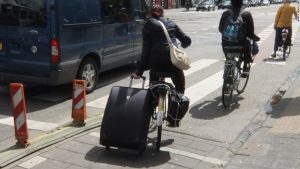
pixel 88 71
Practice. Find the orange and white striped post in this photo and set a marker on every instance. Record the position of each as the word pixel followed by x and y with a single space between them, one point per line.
pixel 19 113
pixel 79 102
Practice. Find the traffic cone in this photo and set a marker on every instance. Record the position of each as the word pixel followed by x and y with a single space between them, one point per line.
pixel 19 113
pixel 79 102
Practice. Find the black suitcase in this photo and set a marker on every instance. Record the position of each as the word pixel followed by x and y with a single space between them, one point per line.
pixel 126 118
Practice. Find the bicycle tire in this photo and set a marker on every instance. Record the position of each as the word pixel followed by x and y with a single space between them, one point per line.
pixel 288 50
pixel 158 140
pixel 227 91
pixel 284 52
pixel 243 81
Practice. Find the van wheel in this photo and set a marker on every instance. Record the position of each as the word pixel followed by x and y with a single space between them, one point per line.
pixel 88 71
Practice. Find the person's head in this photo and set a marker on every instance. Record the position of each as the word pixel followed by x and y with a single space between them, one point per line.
pixel 157 11
pixel 237 3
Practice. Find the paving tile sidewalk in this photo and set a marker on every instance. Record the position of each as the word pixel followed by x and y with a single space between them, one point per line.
pixel 276 145
pixel 83 151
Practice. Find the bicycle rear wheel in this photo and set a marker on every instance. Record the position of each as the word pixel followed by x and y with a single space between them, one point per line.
pixel 288 50
pixel 227 89
pixel 227 94
pixel 158 140
pixel 284 51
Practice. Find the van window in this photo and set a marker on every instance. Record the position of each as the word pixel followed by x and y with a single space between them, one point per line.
pixel 116 11
pixel 81 11
pixel 93 10
pixel 137 7
pixel 23 13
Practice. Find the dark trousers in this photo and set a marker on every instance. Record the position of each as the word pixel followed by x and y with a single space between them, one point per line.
pixel 278 37
pixel 177 77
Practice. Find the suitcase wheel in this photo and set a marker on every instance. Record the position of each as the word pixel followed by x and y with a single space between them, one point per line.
pixel 141 150
pixel 107 147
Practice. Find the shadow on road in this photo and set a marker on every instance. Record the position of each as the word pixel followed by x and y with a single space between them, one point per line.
pixel 286 107
pixel 211 109
pixel 128 158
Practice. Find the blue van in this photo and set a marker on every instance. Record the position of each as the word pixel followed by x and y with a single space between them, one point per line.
pixel 53 42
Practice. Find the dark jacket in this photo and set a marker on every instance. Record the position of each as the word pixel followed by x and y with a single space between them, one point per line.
pixel 247 19
pixel 156 53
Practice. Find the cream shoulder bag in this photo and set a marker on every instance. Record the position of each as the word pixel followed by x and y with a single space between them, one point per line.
pixel 178 57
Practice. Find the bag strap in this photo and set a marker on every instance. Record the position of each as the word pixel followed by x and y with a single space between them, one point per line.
pixel 166 33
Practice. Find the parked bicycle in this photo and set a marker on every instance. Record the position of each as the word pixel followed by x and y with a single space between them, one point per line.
pixel 161 91
pixel 232 74
pixel 285 43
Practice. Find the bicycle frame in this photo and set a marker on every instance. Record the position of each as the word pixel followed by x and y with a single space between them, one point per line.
pixel 161 110
pixel 162 88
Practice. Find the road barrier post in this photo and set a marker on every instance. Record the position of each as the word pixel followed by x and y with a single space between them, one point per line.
pixel 19 113
pixel 79 102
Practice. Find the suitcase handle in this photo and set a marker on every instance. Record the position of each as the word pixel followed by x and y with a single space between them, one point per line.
pixel 143 84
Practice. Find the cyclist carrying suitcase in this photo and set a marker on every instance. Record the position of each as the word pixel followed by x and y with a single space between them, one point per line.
pixel 156 51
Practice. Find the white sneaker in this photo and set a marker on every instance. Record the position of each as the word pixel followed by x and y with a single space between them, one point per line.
pixel 273 55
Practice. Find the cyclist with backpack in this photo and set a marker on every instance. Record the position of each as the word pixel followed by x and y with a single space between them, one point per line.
pixel 237 29
pixel 283 20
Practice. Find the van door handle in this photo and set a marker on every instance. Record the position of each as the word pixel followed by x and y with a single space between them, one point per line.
pixel 34 32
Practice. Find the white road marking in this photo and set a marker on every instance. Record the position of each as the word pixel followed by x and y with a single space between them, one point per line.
pixel 32 162
pixel 195 66
pixel 31 124
pixel 95 134
pixel 195 156
pixel 204 87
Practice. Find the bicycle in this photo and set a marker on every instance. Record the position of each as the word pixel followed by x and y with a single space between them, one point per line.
pixel 285 43
pixel 161 91
pixel 232 74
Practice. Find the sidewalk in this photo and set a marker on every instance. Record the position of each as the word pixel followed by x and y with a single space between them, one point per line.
pixel 83 151
pixel 276 145
pixel 273 144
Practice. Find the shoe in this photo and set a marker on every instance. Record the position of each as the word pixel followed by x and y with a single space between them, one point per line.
pixel 246 70
pixel 273 55
pixel 244 75
pixel 173 124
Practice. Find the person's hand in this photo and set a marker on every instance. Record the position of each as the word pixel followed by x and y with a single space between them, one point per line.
pixel 135 76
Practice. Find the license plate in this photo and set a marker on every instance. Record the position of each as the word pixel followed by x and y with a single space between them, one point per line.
pixel 1 46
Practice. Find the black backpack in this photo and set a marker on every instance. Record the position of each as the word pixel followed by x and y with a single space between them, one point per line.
pixel 234 29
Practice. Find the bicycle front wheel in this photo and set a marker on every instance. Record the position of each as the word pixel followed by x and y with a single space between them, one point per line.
pixel 158 140
pixel 242 83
